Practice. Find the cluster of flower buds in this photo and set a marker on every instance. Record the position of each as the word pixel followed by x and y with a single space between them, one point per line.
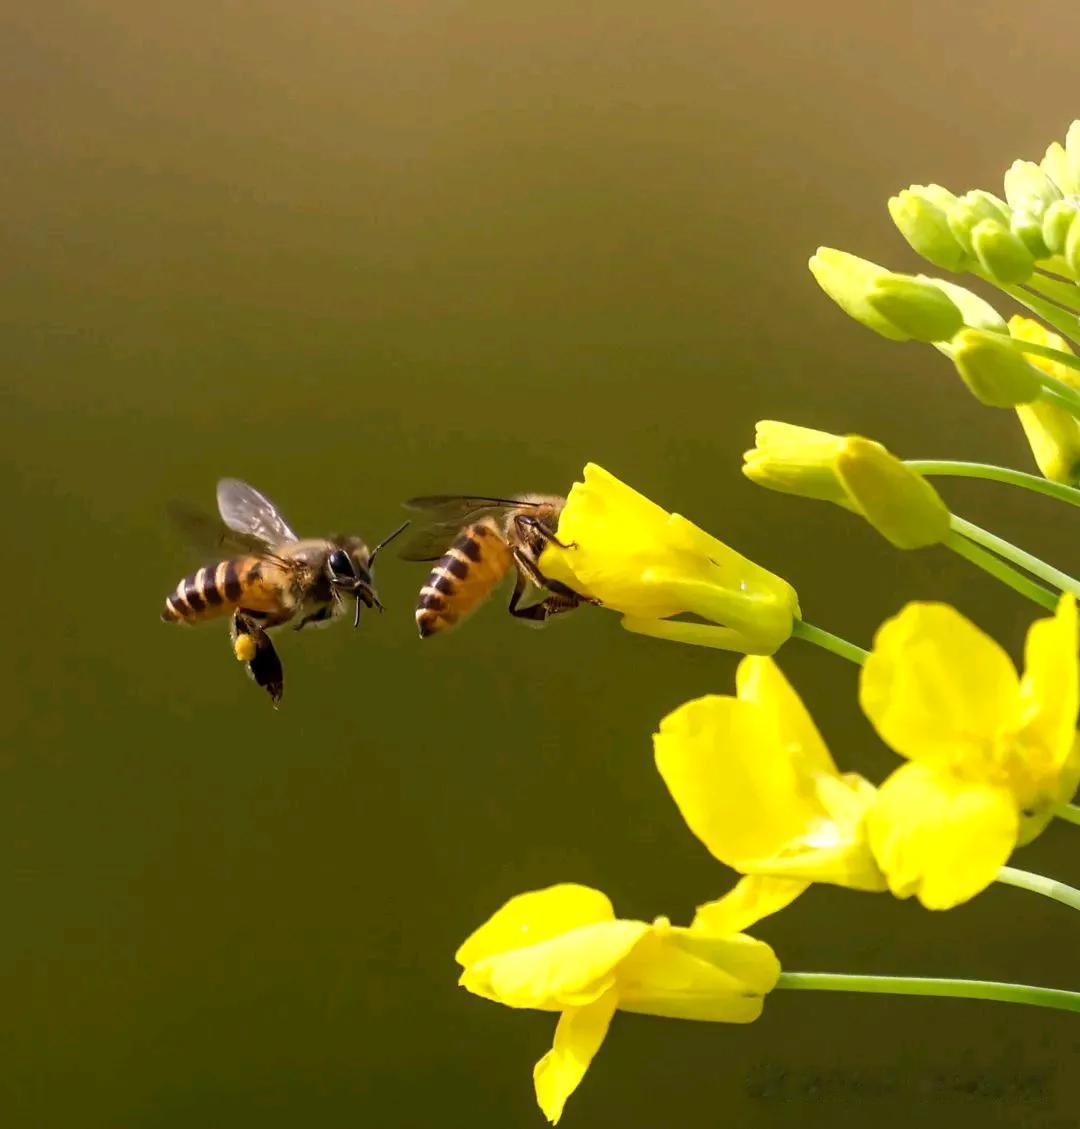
pixel 1028 246
pixel 1001 239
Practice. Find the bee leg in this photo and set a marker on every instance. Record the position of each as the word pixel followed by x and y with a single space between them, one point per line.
pixel 560 599
pixel 253 647
pixel 525 522
pixel 320 616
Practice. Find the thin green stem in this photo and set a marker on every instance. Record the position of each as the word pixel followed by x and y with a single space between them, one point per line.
pixel 829 642
pixel 1056 998
pixel 952 469
pixel 1068 812
pixel 1039 884
pixel 1058 393
pixel 1017 556
pixel 1060 356
pixel 1001 571
pixel 1063 321
pixel 1058 290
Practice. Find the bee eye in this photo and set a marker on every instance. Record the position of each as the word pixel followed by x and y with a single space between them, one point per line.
pixel 340 565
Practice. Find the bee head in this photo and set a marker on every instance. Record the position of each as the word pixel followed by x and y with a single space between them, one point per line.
pixel 349 574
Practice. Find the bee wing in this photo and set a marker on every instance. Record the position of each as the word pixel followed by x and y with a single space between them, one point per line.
pixel 444 517
pixel 246 511
pixel 210 539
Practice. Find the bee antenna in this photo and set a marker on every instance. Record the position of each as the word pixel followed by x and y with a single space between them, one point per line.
pixel 386 541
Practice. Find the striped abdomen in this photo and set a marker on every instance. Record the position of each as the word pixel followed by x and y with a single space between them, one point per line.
pixel 463 577
pixel 248 582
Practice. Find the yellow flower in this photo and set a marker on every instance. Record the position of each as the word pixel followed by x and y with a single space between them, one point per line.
pixel 756 784
pixel 562 949
pixel 1052 432
pixel 853 472
pixel 990 753
pixel 638 559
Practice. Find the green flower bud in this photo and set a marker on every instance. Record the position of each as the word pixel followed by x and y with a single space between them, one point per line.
pixel 1001 253
pixel 847 279
pixel 1072 249
pixel 920 214
pixel 1029 188
pixel 918 309
pixel 1028 230
pixel 977 312
pixel 1058 167
pixel 1072 149
pixel 969 210
pixel 1056 224
pixel 898 502
pixel 993 370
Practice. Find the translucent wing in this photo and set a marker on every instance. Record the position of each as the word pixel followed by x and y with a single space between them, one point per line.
pixel 444 517
pixel 210 539
pixel 246 511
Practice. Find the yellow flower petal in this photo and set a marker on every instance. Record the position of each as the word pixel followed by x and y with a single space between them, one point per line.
pixel 750 899
pixel 795 460
pixel 570 970
pixel 735 786
pixel 578 1036
pixel 937 689
pixel 1049 690
pixel 761 682
pixel 637 559
pixel 896 500
pixel 755 782
pixel 533 917
pixel 940 837
pixel 1053 433
pixel 678 975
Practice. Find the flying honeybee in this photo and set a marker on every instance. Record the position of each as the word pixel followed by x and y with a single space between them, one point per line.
pixel 475 542
pixel 272 577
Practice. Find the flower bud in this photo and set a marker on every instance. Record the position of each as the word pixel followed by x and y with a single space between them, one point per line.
pixel 1072 249
pixel 1056 224
pixel 795 460
pixel 996 373
pixel 1027 187
pixel 918 309
pixel 847 279
pixel 1072 149
pixel 1060 169
pixel 1001 253
pixel 897 501
pixel 920 214
pixel 969 210
pixel 976 311
pixel 1028 229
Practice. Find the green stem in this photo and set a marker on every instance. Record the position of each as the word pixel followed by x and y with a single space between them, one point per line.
pixel 1058 393
pixel 1056 998
pixel 829 642
pixel 1059 356
pixel 1068 812
pixel 1060 291
pixel 1019 557
pixel 1060 319
pixel 1032 482
pixel 1001 571
pixel 1040 884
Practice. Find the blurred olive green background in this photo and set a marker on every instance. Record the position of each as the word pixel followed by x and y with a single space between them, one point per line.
pixel 358 251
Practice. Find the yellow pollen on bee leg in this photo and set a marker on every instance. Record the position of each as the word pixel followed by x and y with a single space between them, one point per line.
pixel 244 648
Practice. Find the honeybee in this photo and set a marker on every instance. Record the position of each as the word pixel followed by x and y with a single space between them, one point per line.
pixel 272 578
pixel 476 542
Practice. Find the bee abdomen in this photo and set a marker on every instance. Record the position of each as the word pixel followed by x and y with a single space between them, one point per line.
pixel 205 594
pixel 462 577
